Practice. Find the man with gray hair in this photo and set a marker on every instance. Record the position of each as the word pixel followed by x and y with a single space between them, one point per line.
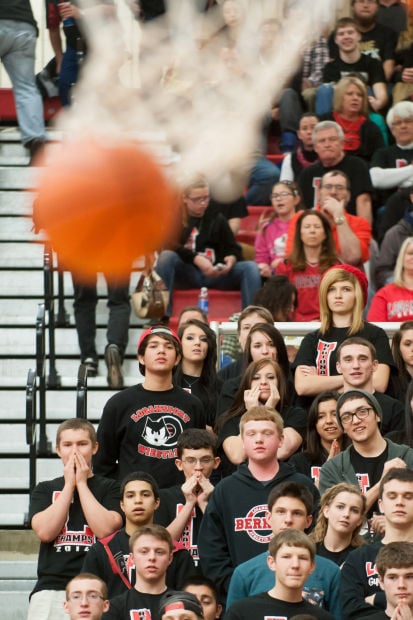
pixel 328 141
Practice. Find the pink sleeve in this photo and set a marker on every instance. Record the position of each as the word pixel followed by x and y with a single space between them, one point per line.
pixel 262 254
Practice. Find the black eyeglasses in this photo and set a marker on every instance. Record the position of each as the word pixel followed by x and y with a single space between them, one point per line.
pixel 361 413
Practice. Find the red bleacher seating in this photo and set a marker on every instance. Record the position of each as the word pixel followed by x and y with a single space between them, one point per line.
pixel 221 303
pixel 8 109
pixel 249 224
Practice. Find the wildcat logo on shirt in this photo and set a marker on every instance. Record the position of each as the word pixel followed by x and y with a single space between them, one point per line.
pixel 255 524
pixel 70 539
pixel 162 426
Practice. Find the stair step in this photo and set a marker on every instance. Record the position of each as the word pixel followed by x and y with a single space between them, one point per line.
pixel 18 178
pixel 20 255
pixel 16 203
pixel 17 229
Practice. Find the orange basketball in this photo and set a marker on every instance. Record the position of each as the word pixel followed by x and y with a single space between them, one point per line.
pixel 102 206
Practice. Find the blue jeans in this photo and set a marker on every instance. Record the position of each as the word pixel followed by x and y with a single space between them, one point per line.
pixel 263 177
pixel 17 51
pixel 176 274
pixel 68 74
pixel 324 99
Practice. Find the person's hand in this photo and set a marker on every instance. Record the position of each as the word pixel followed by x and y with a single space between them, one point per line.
pixel 333 207
pixel 189 488
pixel 308 370
pixel 276 262
pixel 229 263
pixel 83 470
pixel 265 270
pixel 378 524
pixel 205 490
pixel 374 104
pixel 334 450
pixel 396 463
pixel 407 75
pixel 205 265
pixel 274 397
pixel 69 471
pixel 402 612
pixel 251 397
pixel 67 10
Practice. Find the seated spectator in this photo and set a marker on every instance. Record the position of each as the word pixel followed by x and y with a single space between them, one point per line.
pixel 391 167
pixel 196 371
pixel 263 383
pixel 328 140
pixel 394 302
pixel 233 211
pixel 313 252
pixel 397 206
pixel 304 155
pixel 207 253
pixel 263 341
pixel 350 110
pixel 243 495
pixel 315 57
pixel 110 558
pixel 290 507
pixel 272 235
pixel 207 594
pixel 183 506
pixel 395 565
pixel 352 234
pixel 343 295
pixel 390 246
pixel 402 350
pixel 350 59
pixel 324 437
pixel 291 552
pixel 377 39
pixel 278 296
pixel 341 516
pixel 403 78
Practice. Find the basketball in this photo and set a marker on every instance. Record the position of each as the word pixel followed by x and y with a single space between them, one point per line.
pixel 102 206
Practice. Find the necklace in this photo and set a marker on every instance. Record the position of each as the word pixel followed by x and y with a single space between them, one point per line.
pixel 190 383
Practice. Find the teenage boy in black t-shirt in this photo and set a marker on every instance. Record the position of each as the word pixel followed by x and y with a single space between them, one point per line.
pixel 140 426
pixel 110 557
pixel 394 564
pixel 292 560
pixel 68 514
pixel 151 548
pixel 182 506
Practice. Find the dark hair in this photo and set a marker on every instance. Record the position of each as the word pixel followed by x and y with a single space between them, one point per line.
pixel 140 476
pixel 404 376
pixel 262 312
pixel 296 193
pixel 337 173
pixel 168 337
pixel 394 555
pixel 343 22
pixel 195 439
pixel 208 373
pixel 201 580
pixel 292 489
pixel 276 337
pixel 315 452
pixel 397 473
pixel 238 408
pixel 328 254
pixel 277 294
pixel 360 341
pixel 193 309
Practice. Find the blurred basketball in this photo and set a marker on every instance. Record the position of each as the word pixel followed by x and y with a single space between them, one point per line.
pixel 103 206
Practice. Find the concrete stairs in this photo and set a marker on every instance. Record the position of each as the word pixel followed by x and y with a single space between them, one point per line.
pixel 21 292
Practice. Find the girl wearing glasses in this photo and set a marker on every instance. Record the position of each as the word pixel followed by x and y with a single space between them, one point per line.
pixel 196 372
pixel 313 252
pixel 342 296
pixel 263 383
pixel 272 236
pixel 341 516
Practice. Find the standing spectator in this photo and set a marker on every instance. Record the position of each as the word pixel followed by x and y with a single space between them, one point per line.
pixel 272 236
pixel 343 295
pixel 207 253
pixel 18 32
pixel 328 140
pixel 140 426
pixel 228 536
pixel 351 60
pixel 313 252
pixel 394 302
pixel 68 514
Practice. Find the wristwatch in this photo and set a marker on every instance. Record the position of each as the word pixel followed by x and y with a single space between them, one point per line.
pixel 340 219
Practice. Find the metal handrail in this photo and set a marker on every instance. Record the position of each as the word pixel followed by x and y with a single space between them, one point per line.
pixel 81 394
pixel 53 379
pixel 31 415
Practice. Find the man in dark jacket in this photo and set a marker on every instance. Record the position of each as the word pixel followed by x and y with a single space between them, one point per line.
pixel 207 253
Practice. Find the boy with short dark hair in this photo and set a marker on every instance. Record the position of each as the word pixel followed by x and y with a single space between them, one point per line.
pixel 68 514
pixel 140 426
pixel 291 559
pixel 395 567
pixel 151 548
pixel 110 557
pixel 207 594
pixel 182 506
